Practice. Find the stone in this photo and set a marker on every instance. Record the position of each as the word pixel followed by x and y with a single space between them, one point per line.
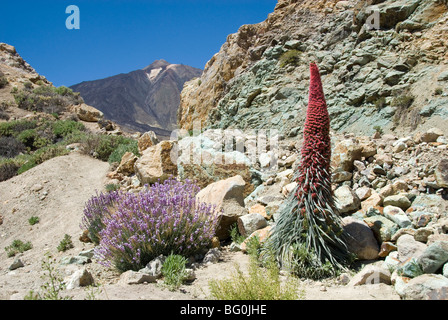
pixel 345 153
pixel 346 199
pixel 399 200
pixel 227 196
pixel 382 227
pixel 426 287
pixel 434 257
pixel 74 260
pixel 408 247
pixel 249 223
pixel 443 76
pixel 290 187
pixel 154 267
pixel 127 163
pixel 441 173
pixel 371 274
pixel 267 159
pixel 341 176
pixel 201 159
pixel 410 268
pixel 17 263
pixel 363 192
pixel 445 270
pixel 422 234
pixel 373 201
pixel 156 163
pixel 88 113
pixel 393 77
pixel 386 248
pixel 391 261
pixel 146 140
pixel 131 277
pixel 260 209
pixel 212 256
pixel 397 215
pixel 261 234
pixel 80 278
pixel 362 241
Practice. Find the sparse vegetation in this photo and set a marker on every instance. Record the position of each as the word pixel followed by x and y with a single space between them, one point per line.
pixel 47 99
pixel 174 271
pixel 438 91
pixel 290 57
pixel 51 290
pixel 378 129
pixel 66 243
pixel 33 220
pixel 262 283
pixel 3 81
pixel 18 246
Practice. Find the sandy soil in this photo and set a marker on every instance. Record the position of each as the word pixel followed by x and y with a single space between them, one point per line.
pixel 56 191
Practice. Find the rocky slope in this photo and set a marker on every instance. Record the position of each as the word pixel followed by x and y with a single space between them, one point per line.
pixel 141 100
pixel 394 77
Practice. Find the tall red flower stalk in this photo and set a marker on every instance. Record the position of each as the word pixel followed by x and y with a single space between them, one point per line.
pixel 309 216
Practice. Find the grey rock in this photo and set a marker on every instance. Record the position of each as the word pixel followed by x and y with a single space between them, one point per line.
pixel 154 267
pixel 398 216
pixel 441 173
pixel 408 247
pixel 135 277
pixel 80 278
pixel 371 274
pixel 443 76
pixel 426 287
pixel 434 256
pixel 251 222
pixel 74 260
pixel 346 199
pixel 212 256
pixel 382 227
pixel 362 241
pixel 399 200
pixel 393 77
pixel 17 263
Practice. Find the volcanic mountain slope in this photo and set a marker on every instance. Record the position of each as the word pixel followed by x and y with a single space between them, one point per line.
pixel 141 100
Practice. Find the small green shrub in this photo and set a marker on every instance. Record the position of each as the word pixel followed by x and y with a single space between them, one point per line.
pixel 66 243
pixel 63 128
pixel 33 220
pixel 378 129
pixel 380 103
pixel 17 246
pixel 290 57
pixel 438 91
pixel 27 166
pixel 235 234
pixel 3 81
pixel 260 284
pixel 112 187
pixel 174 271
pixel 120 150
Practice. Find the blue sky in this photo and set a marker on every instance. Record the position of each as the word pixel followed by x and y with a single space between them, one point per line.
pixel 120 36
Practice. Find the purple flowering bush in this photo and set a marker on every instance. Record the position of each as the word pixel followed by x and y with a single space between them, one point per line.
pixel 165 218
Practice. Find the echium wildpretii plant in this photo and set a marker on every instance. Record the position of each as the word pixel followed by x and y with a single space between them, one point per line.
pixel 309 217
pixel 162 219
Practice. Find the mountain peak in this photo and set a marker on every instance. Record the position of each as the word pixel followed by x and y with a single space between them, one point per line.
pixel 157 64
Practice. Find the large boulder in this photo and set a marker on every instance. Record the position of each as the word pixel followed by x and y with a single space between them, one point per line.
pixel 227 196
pixel 434 257
pixel 156 163
pixel 345 153
pixel 88 113
pixel 346 200
pixel 202 159
pixel 426 287
pixel 441 173
pixel 362 241
pixel 148 139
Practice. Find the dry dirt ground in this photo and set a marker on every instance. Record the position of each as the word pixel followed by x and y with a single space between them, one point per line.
pixel 56 192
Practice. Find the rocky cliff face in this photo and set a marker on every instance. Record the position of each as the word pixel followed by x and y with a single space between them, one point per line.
pixel 394 77
pixel 141 100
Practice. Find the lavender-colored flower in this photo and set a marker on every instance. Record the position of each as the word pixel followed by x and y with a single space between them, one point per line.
pixel 165 218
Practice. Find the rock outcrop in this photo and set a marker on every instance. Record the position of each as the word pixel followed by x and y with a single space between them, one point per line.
pixel 393 78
